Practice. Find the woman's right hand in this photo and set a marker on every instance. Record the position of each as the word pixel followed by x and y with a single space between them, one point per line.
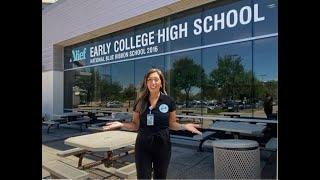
pixel 112 125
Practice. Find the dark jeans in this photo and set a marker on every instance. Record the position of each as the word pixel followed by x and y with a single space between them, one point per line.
pixel 272 116
pixel 269 116
pixel 268 112
pixel 152 154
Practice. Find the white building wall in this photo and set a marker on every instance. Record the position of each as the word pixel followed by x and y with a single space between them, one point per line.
pixel 46 93
pixel 57 92
pixel 52 93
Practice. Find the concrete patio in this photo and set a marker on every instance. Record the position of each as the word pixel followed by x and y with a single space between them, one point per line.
pixel 186 161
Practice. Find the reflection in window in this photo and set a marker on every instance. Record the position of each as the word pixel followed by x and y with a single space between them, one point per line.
pixel 149 27
pixel 226 86
pixel 239 31
pixel 226 78
pixel 104 83
pixel 184 22
pixel 83 87
pixel 89 82
pixel 183 74
pixel 265 68
pixel 142 67
pixel 122 90
pixel 122 73
pixel 269 9
pixel 69 77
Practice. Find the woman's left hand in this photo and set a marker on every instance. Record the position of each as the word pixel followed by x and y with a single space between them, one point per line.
pixel 193 128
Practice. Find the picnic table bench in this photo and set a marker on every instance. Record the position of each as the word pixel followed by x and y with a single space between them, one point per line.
pixel 202 138
pixel 105 142
pixel 127 172
pixel 62 170
pixel 49 124
pixel 188 118
pixel 78 152
pixel 53 122
pixel 210 134
pixel 271 147
pixel 272 144
pixel 232 115
pixel 69 152
pixel 82 121
pixel 68 118
pixel 237 128
pixel 222 129
pixel 187 112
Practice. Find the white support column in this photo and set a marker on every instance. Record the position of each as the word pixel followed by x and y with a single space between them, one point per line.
pixel 52 93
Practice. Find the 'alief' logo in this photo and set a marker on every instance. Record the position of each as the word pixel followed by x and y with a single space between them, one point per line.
pixel 78 55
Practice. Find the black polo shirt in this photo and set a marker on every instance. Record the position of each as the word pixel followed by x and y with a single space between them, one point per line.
pixel 164 106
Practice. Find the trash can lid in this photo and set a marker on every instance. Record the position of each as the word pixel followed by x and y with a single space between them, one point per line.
pixel 235 143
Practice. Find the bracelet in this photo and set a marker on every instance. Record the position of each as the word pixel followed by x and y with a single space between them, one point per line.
pixel 182 127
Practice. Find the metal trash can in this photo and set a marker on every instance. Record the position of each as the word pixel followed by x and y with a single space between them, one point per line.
pixel 236 159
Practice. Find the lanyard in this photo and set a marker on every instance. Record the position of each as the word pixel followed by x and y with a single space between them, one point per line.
pixel 150 109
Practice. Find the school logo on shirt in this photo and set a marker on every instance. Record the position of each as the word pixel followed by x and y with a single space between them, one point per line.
pixel 163 108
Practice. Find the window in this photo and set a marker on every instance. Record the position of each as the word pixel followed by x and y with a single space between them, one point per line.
pixel 224 32
pixel 268 9
pixel 142 66
pixel 227 77
pixel 122 92
pixel 179 21
pixel 265 69
pixel 227 84
pixel 183 74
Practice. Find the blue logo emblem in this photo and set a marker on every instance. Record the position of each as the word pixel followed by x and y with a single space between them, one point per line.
pixel 163 108
pixel 78 55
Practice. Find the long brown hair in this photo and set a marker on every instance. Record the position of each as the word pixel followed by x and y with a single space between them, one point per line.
pixel 143 95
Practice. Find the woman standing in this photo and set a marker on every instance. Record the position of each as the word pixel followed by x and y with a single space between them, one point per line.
pixel 154 113
pixel 267 105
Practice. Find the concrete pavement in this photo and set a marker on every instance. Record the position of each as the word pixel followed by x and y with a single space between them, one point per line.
pixel 186 161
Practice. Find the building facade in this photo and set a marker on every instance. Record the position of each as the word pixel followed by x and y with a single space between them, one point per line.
pixel 217 56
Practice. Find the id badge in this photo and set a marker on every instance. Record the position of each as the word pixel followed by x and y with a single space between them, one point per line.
pixel 150 118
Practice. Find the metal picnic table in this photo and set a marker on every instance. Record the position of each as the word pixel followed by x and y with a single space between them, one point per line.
pixel 106 142
pixel 238 127
pixel 258 126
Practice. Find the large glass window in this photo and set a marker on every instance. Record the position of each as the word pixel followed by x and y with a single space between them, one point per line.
pixel 120 44
pixel 227 84
pixel 228 22
pixel 103 84
pixel 265 68
pixel 122 90
pixel 228 77
pixel 69 95
pixel 151 27
pixel 182 27
pixel 80 88
pixel 183 73
pixel 269 10
pixel 142 66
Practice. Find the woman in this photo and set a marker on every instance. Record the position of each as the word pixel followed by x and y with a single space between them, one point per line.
pixel 267 105
pixel 154 113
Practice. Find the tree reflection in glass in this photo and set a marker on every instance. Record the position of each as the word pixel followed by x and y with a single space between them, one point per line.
pixel 230 77
pixel 185 76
